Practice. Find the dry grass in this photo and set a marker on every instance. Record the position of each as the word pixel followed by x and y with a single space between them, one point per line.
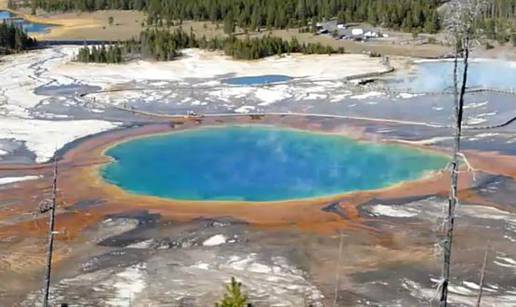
pixel 400 44
pixel 126 25
pixel 202 28
pixel 90 26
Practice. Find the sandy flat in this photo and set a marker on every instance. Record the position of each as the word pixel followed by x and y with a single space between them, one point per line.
pixel 91 26
pixel 203 64
pixel 86 25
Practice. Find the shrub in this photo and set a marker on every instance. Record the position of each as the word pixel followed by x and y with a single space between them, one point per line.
pixel 233 296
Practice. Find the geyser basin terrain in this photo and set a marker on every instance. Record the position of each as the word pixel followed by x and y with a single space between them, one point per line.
pixel 257 80
pixel 257 163
pixel 436 76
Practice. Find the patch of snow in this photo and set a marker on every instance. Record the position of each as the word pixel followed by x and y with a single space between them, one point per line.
pixel 367 95
pixel 227 94
pixel 8 180
pixel 486 135
pixel 458 294
pixel 44 137
pixel 317 89
pixel 215 240
pixel 392 211
pixel 245 109
pixel 475 105
pixel 315 96
pixel 485 212
pixel 202 266
pixel 407 95
pixel 128 284
pixel 505 262
pixel 259 268
pixel 429 141
pixel 471 285
pixel 475 120
pixel 460 290
pixel 483 135
pixel 141 245
pixel 270 96
pixel 340 97
pixel 52 115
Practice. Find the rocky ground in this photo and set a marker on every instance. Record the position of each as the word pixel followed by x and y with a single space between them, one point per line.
pixel 142 261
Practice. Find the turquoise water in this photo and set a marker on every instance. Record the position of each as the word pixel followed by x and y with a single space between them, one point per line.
pixel 257 163
pixel 437 76
pixel 257 80
pixel 29 27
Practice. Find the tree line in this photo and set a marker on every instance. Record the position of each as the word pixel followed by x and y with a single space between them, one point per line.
pixel 498 21
pixel 102 54
pixel 253 14
pixel 164 45
pixel 406 15
pixel 14 39
pixel 260 47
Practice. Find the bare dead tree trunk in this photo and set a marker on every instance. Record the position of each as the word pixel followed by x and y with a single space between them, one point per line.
pixel 337 270
pixel 482 278
pixel 51 226
pixel 461 19
pixel 453 200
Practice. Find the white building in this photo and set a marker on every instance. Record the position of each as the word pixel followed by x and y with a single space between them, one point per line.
pixel 357 32
pixel 370 34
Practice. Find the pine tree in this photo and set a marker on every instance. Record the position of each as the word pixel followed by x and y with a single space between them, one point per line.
pixel 33 7
pixel 301 9
pixel 233 296
pixel 229 23
pixel 341 17
pixel 432 24
pixel 13 39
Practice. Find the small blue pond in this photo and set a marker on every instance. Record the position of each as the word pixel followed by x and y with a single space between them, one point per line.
pixel 437 76
pixel 257 163
pixel 29 27
pixel 65 90
pixel 257 80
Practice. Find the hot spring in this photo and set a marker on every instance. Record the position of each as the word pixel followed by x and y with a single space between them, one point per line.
pixel 259 163
pixel 27 26
pixel 436 76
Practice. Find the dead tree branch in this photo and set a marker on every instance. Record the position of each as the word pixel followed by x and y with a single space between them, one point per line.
pixel 51 226
pixel 482 278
